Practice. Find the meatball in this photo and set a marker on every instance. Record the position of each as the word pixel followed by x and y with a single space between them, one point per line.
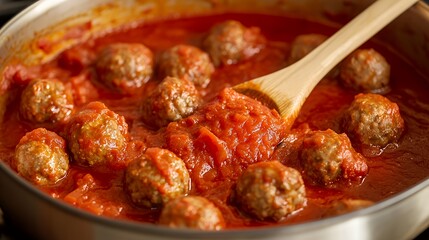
pixel 46 101
pixel 172 100
pixel 192 212
pixel 365 70
pixel 270 191
pixel 124 67
pixel 156 178
pixel 97 136
pixel 230 42
pixel 327 157
pixel 373 120
pixel 187 62
pixel 304 44
pixel 41 157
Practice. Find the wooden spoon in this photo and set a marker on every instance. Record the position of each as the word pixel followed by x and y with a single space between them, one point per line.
pixel 287 89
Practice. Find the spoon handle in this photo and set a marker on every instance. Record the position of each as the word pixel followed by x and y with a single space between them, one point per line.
pixel 288 88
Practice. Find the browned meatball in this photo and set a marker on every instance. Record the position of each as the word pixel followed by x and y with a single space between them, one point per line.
pixel 172 100
pixel 304 44
pixel 41 157
pixel 270 191
pixel 230 42
pixel 156 178
pixel 327 157
pixel 192 212
pixel 373 120
pixel 46 101
pixel 98 136
pixel 124 67
pixel 365 70
pixel 187 62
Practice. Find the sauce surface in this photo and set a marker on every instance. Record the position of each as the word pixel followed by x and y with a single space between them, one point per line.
pixel 100 190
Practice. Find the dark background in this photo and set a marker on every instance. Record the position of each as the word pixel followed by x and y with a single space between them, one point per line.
pixel 8 8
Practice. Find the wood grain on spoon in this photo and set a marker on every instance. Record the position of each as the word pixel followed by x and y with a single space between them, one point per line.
pixel 287 89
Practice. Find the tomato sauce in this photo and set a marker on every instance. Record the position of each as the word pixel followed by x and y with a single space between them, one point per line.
pixel 202 138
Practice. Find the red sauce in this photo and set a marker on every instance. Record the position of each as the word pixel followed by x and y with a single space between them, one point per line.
pixel 100 190
pixel 213 159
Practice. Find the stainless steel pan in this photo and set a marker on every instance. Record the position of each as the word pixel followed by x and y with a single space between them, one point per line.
pixel 402 216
